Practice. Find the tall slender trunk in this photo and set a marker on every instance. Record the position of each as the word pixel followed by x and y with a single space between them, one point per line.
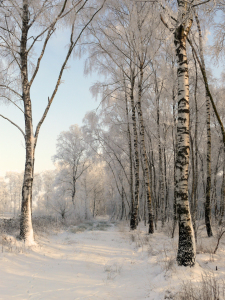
pixel 222 199
pixel 186 246
pixel 161 177
pixel 165 177
pixel 26 229
pixel 94 204
pixel 153 180
pixel 122 204
pixel 174 171
pixel 144 152
pixel 208 160
pixel 214 188
pixel 193 173
pixel 195 179
pixel 73 186
pixel 209 171
pixel 134 213
pixel 130 153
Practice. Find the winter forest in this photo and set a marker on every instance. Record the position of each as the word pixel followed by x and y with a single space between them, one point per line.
pixel 134 208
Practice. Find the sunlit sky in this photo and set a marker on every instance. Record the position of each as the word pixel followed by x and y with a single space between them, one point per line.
pixel 69 107
pixel 71 103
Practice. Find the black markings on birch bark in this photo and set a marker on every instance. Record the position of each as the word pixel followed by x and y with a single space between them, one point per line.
pixel 161 175
pixel 26 230
pixel 144 152
pixel 186 245
pixel 130 153
pixel 134 212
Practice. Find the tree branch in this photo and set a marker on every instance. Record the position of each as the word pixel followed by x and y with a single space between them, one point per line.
pixel 14 125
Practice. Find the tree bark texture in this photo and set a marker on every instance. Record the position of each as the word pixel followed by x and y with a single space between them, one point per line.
pixel 186 246
pixel 174 173
pixel 130 153
pixel 144 153
pixel 134 213
pixel 161 176
pixel 26 230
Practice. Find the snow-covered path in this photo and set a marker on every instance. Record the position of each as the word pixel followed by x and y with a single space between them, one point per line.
pixel 101 263
pixel 88 265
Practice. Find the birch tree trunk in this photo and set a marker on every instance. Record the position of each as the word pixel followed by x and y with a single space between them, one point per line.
pixel 144 153
pixel 134 212
pixel 195 179
pixel 186 246
pixel 174 171
pixel 130 152
pixel 161 176
pixel 26 230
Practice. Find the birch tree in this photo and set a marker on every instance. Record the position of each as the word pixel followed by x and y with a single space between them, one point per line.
pixel 186 246
pixel 23 25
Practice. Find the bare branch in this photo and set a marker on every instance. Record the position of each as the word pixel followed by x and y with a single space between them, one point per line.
pixel 12 102
pixel 14 125
pixel 10 89
pixel 72 45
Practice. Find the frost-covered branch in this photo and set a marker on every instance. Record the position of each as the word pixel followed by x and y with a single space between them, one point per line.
pixel 14 125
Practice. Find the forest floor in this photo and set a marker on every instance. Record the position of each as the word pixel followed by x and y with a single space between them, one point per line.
pixel 104 260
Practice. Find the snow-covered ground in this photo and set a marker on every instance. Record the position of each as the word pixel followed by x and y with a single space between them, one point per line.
pixel 101 260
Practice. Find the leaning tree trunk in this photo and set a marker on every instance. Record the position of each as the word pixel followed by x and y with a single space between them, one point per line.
pixel 144 153
pixel 186 246
pixel 26 230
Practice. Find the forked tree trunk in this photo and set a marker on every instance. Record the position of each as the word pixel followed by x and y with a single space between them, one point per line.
pixel 186 246
pixel 144 153
pixel 26 230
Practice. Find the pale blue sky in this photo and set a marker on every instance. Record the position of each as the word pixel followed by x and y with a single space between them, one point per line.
pixel 72 101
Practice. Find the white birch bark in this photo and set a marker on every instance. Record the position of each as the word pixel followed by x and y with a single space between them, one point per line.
pixel 144 153
pixel 26 230
pixel 130 152
pixel 134 212
pixel 186 246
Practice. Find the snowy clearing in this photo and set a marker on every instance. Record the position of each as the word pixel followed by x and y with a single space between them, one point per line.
pixel 101 260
